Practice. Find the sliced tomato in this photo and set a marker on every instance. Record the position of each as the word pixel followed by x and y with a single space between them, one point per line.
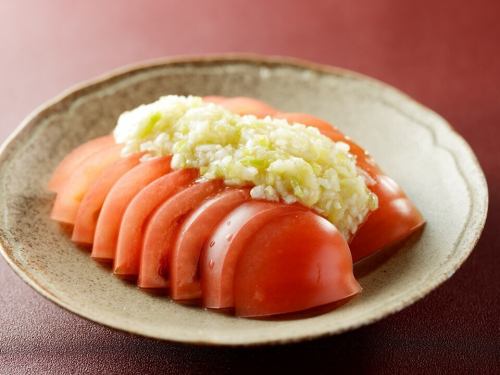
pixel 71 194
pixel 297 261
pixel 66 167
pixel 193 233
pixel 128 250
pixel 363 159
pixel 86 218
pixel 395 219
pixel 116 202
pixel 247 106
pixel 221 252
pixel 159 237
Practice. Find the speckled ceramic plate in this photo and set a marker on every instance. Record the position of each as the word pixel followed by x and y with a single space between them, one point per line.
pixel 418 148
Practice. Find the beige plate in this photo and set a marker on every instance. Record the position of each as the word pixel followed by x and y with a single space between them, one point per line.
pixel 418 148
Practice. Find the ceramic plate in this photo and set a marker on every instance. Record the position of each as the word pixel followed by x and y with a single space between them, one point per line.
pixel 418 148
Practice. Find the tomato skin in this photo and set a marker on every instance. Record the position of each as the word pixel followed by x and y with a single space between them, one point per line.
pixel 161 229
pixel 222 250
pixel 296 261
pixel 395 219
pixel 86 218
pixel 116 202
pixel 71 161
pixel 193 234
pixel 71 194
pixel 131 234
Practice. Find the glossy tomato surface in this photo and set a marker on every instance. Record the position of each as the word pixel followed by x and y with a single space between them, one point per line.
pixel 162 229
pixel 395 219
pixel 142 206
pixel 223 248
pixel 71 193
pixel 88 212
pixel 193 234
pixel 117 201
pixel 295 262
pixel 71 161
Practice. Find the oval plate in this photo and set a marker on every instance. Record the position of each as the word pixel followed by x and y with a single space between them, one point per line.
pixel 418 148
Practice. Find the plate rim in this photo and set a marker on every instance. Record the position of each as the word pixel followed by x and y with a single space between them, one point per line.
pixel 478 211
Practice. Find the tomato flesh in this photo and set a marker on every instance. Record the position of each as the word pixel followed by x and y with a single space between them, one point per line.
pixel 193 234
pixel 116 202
pixel 86 218
pixel 75 158
pixel 395 219
pixel 128 250
pixel 221 252
pixel 296 261
pixel 70 195
pixel 161 229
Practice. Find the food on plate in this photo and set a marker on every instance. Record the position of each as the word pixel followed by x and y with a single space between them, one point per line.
pixel 231 202
pixel 72 192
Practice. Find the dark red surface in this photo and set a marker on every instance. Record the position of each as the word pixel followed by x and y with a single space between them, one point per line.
pixel 446 54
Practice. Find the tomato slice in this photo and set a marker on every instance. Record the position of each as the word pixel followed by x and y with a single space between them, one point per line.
pixel 116 202
pixel 194 232
pixel 71 193
pixel 159 237
pixel 395 219
pixel 221 252
pixel 297 261
pixel 242 105
pixel 71 161
pixel 128 250
pixel 86 218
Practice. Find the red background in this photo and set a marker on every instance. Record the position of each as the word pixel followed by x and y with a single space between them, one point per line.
pixel 446 54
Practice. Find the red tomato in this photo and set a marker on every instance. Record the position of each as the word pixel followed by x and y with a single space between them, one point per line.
pixel 297 261
pixel 246 106
pixel 75 158
pixel 84 175
pixel 128 250
pixel 86 218
pixel 395 219
pixel 363 159
pixel 159 236
pixel 193 234
pixel 222 249
pixel 116 202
